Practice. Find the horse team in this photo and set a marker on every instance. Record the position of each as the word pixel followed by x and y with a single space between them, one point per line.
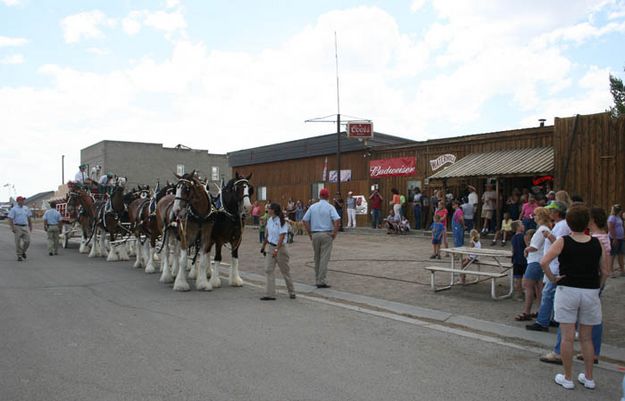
pixel 183 217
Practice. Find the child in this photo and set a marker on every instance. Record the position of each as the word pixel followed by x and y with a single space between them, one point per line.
pixel 438 230
pixel 474 235
pixel 519 262
pixel 457 224
pixel 505 231
pixel 263 223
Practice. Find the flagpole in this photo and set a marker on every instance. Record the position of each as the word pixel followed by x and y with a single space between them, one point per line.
pixel 338 119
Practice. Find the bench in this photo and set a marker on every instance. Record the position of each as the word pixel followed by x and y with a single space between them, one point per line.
pixel 493 276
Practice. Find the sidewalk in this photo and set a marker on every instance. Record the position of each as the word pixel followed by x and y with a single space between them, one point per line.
pixel 384 272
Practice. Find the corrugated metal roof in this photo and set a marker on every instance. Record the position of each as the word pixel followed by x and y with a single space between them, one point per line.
pixel 308 147
pixel 501 163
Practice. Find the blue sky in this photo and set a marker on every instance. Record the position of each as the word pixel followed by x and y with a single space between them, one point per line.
pixel 227 75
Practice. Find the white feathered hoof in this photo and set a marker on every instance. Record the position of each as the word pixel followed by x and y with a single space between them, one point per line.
pixel 193 272
pixel 166 276
pixel 93 253
pixel 181 285
pixel 112 256
pixel 83 248
pixel 203 285
pixel 122 253
pixel 138 264
pixel 149 269
pixel 236 281
pixel 156 257
pixel 215 281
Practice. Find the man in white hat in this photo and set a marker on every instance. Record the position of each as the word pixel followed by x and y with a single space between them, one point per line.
pixel 351 210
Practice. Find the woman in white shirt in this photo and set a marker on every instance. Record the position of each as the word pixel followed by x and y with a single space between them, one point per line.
pixel 533 277
pixel 276 252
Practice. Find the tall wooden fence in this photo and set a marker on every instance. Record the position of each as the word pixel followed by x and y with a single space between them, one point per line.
pixel 590 158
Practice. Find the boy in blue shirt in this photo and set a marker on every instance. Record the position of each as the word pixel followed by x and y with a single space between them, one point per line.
pixel 437 236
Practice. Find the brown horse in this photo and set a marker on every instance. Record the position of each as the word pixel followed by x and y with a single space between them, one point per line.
pixel 142 218
pixel 228 226
pixel 193 211
pixel 81 206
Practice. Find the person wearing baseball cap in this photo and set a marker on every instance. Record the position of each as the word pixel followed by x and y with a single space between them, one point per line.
pixel 322 224
pixel 19 219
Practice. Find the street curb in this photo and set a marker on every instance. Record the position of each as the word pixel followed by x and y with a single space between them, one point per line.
pixel 542 339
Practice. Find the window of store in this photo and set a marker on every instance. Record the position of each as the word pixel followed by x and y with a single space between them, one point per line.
pixel 215 173
pixel 261 193
pixel 180 169
pixel 315 188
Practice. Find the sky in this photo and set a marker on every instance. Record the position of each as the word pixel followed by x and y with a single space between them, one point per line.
pixel 230 75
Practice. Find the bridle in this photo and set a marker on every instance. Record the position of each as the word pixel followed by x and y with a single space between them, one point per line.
pixel 188 184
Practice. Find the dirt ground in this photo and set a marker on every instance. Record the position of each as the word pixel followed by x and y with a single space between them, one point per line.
pixel 369 262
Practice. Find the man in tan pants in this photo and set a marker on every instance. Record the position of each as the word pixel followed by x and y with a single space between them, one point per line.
pixel 52 225
pixel 276 253
pixel 322 224
pixel 21 226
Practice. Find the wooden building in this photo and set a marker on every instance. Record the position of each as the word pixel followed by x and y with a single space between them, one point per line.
pixel 584 155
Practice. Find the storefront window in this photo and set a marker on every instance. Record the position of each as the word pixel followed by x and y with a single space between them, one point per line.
pixel 315 188
pixel 261 193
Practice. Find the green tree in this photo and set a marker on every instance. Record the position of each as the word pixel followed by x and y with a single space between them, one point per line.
pixel 618 93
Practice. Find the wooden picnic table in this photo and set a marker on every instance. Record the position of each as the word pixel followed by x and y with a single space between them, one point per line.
pixel 497 258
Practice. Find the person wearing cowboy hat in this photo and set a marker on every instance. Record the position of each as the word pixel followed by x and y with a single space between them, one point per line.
pixel 351 210
pixel 20 218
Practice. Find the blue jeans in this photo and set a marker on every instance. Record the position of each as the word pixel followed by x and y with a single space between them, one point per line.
pixel 468 224
pixel 546 304
pixel 597 333
pixel 417 217
pixel 261 235
pixel 375 213
pixel 458 231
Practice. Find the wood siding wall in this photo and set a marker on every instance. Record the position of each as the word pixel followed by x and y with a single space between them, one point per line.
pixel 596 158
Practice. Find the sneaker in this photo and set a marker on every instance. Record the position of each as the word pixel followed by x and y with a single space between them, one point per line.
pixel 19 259
pixel 561 380
pixel 551 357
pixel 24 255
pixel 589 384
pixel 503 243
pixel 433 256
pixel 50 253
pixel 292 296
pixel 438 256
pixel 536 327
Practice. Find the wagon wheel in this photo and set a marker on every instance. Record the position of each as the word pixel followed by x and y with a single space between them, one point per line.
pixel 65 234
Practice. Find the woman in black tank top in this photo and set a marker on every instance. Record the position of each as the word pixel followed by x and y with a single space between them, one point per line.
pixel 579 263
pixel 583 270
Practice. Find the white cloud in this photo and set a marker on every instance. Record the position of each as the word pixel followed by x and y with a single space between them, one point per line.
pixel 6 41
pixel 98 51
pixel 172 3
pixel 417 5
pixel 132 24
pixel 85 25
pixel 12 59
pixel 167 22
pixel 11 3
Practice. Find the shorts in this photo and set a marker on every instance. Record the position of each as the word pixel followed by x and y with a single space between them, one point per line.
pixel 534 272
pixel 518 269
pixel 619 249
pixel 487 214
pixel 577 305
pixel 436 242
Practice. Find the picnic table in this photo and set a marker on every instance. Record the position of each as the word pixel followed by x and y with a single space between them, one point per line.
pixel 498 260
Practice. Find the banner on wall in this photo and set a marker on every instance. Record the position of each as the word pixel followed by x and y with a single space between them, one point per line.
pixel 397 167
pixel 346 175
pixel 441 160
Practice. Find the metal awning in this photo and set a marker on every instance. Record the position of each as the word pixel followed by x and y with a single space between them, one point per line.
pixel 519 162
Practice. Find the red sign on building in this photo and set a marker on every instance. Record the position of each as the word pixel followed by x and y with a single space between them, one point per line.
pixel 362 129
pixel 398 167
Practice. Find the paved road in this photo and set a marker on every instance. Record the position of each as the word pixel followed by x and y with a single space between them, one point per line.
pixel 73 328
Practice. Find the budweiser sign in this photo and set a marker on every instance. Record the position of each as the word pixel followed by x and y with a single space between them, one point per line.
pixel 360 129
pixel 441 160
pixel 398 167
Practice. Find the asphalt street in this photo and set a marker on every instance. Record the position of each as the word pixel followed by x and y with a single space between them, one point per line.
pixel 74 328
